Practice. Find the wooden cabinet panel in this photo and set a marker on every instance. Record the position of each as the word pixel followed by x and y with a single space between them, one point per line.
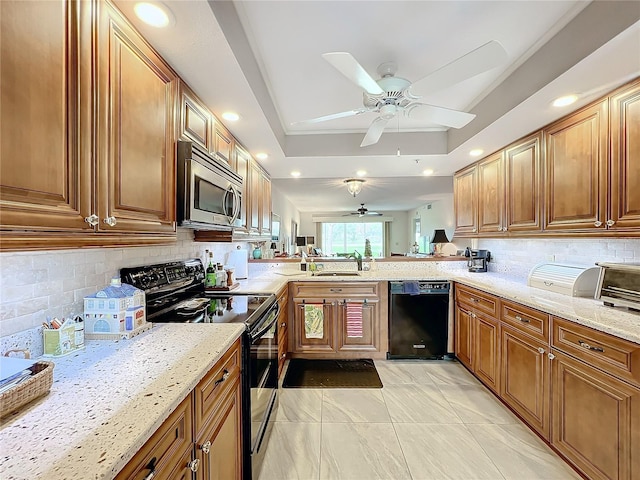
pixel 196 121
pixel 341 290
pixel 625 158
pixel 614 355
pixel 305 343
pixel 368 340
pixel 526 319
pixel 265 205
pixel 165 452
pixel 463 337
pixel 242 160
pixel 477 300
pixel 576 170
pixel 486 350
pixel 491 194
pixel 523 190
pixel 136 175
pixel 223 143
pixel 465 200
pixel 254 197
pixel 596 420
pixel 45 121
pixel 524 381
pixel 219 449
pixel 283 327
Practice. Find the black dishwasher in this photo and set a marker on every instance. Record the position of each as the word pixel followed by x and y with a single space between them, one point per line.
pixel 419 319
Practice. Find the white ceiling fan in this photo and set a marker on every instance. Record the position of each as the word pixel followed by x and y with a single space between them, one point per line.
pixel 362 211
pixel 391 95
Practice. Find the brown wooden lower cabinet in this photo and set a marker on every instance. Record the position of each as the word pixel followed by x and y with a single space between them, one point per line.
pixel 524 381
pixel 596 420
pixel 463 339
pixel 283 327
pixel 486 354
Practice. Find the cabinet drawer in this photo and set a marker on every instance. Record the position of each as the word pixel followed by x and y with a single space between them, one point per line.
pixel 165 449
pixel 335 289
pixel 613 355
pixel 527 320
pixel 476 299
pixel 216 383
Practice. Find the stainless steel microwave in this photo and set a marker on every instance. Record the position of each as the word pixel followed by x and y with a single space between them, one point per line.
pixel 209 192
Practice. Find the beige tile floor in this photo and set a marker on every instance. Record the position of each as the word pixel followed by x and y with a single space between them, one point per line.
pixel 431 421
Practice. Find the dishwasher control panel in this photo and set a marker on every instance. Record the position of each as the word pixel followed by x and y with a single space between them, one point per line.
pixel 420 287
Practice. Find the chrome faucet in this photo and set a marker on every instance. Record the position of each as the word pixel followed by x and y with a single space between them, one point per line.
pixel 358 258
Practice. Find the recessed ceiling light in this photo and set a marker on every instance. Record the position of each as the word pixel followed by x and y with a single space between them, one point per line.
pixel 428 171
pixel 295 173
pixel 564 101
pixel 231 116
pixel 262 156
pixel 476 152
pixel 361 173
pixel 154 14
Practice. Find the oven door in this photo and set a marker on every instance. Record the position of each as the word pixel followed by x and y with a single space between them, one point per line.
pixel 263 384
pixel 212 198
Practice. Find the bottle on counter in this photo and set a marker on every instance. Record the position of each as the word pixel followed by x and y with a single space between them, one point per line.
pixel 303 264
pixel 221 277
pixel 210 278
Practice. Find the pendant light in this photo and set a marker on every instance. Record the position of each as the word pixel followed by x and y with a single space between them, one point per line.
pixel 354 185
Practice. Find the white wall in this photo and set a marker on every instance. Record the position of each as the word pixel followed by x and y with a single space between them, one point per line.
pixel 287 211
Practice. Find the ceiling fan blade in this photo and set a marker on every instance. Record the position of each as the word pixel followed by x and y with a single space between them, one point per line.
pixel 375 131
pixel 333 116
pixel 483 58
pixel 439 115
pixel 350 68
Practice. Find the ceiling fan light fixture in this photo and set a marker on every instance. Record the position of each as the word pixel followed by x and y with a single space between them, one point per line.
pixel 354 185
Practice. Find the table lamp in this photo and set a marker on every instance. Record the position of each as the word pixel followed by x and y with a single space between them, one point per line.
pixel 439 237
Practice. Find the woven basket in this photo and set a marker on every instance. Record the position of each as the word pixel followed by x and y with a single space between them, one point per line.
pixel 39 384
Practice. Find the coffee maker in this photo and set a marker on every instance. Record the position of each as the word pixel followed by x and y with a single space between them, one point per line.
pixel 478 260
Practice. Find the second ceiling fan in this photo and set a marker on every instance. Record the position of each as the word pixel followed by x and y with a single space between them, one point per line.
pixel 390 96
pixel 362 211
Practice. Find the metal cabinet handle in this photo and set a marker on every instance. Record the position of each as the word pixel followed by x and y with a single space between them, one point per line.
pixel 523 320
pixel 194 464
pixel 597 223
pixel 551 356
pixel 224 376
pixel 541 350
pixel 474 300
pixel 206 447
pixel 335 289
pixel 92 219
pixel 152 468
pixel 611 223
pixel 589 347
pixel 111 221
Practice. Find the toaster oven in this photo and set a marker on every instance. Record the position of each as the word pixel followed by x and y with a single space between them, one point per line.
pixel 619 284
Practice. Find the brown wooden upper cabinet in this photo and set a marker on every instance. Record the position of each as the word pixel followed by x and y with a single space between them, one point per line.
pixel 196 121
pixel 465 191
pixel 576 170
pixel 243 160
pixel 223 143
pixel 523 189
pixel 624 190
pixel 491 204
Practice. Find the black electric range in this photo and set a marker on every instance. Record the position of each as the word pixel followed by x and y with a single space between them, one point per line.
pixel 174 293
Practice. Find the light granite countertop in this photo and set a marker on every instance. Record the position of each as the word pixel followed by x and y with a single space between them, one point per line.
pixel 107 400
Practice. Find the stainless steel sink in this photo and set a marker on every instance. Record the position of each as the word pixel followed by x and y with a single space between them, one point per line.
pixel 337 274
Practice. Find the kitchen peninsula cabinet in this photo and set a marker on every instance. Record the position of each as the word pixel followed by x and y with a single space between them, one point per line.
pixel 333 341
pixel 101 167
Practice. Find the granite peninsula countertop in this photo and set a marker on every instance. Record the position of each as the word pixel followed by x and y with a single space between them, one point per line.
pixel 107 400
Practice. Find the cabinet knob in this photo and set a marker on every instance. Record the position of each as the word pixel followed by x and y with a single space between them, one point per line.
pixel 111 221
pixel 206 447
pixel 474 230
pixel 597 223
pixel 283 324
pixel 551 356
pixel 92 219
pixel 194 464
pixel 541 350
pixel 611 223
pixel 284 354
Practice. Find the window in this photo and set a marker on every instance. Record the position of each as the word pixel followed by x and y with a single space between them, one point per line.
pixel 344 238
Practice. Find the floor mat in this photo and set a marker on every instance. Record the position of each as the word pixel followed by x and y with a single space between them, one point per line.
pixel 303 373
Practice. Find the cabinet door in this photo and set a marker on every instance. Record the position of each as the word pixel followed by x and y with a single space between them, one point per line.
pixel 136 174
pixel 524 381
pixel 523 191
pixel 486 351
pixel 308 339
pixel 464 336
pixel 625 158
pixel 358 336
pixel 265 204
pixel 576 170
pixel 196 121
pixel 491 194
pixel 254 195
pixel 45 119
pixel 465 200
pixel 220 449
pixel 222 143
pixel 283 328
pixel 242 168
pixel 596 420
